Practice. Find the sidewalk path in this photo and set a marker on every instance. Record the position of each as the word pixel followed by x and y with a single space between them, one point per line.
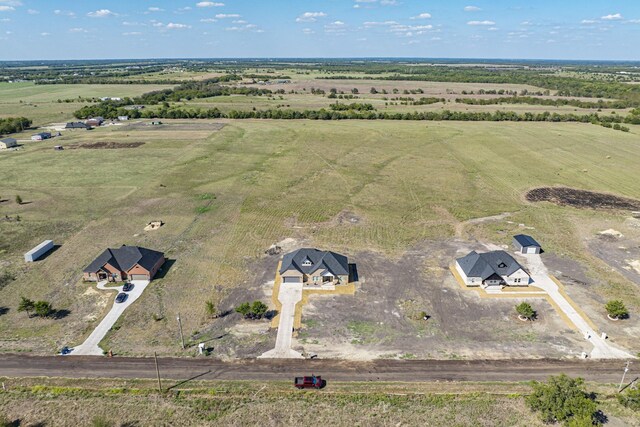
pixel 290 294
pixel 90 346
pixel 602 349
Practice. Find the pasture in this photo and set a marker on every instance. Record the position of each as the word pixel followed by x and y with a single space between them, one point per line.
pixel 226 195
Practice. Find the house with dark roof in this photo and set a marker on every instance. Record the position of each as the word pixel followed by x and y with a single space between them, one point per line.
pixel 491 269
pixel 77 125
pixel 124 263
pixel 526 244
pixel 8 143
pixel 314 267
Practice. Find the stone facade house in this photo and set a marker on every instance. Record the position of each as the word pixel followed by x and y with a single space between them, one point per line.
pixel 314 267
pixel 124 263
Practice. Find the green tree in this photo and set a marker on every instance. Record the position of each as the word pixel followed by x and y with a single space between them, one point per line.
pixel 43 308
pixel 26 305
pixel 18 199
pixel 563 399
pixel 244 309
pixel 258 309
pixel 525 310
pixel 616 309
pixel 212 310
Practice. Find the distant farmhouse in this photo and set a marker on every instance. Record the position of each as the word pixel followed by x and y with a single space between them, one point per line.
pixel 124 263
pixel 314 267
pixel 491 270
pixel 77 125
pixel 526 244
pixel 8 143
pixel 94 121
pixel 41 136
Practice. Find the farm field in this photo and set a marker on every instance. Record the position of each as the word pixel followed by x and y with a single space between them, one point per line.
pixel 118 402
pixel 40 102
pixel 387 194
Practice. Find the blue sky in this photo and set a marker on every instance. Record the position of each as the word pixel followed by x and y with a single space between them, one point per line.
pixel 546 29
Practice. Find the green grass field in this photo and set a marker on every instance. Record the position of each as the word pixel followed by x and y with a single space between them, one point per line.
pixel 407 181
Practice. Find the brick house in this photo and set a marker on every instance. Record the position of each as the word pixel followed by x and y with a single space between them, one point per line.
pixel 314 267
pixel 124 263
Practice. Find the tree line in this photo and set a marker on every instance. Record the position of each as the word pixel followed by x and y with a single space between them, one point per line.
pixel 531 100
pixel 14 124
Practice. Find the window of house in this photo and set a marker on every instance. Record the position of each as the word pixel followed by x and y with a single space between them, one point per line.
pixel 307 262
pixel 316 278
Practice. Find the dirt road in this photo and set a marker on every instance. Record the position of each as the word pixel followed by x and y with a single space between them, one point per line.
pixel 605 371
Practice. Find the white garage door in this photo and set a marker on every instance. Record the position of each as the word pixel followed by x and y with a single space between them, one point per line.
pixel 139 277
pixel 292 279
pixel 531 250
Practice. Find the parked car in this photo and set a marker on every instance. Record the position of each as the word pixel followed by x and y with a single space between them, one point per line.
pixel 127 287
pixel 121 297
pixel 65 350
pixel 309 382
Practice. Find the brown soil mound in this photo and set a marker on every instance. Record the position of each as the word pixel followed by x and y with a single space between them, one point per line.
pixel 580 198
pixel 108 145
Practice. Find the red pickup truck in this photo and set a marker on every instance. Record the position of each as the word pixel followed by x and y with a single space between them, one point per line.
pixel 308 382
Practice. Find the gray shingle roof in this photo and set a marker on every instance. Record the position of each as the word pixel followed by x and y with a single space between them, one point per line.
pixel 335 263
pixel 486 264
pixel 124 258
pixel 526 240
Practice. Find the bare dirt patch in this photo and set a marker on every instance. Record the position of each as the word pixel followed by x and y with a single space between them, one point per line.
pixel 580 198
pixel 109 145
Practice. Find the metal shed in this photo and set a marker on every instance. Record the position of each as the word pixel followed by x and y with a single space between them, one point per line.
pixel 526 244
pixel 38 251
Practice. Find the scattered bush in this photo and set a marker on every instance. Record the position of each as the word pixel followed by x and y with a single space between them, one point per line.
pixel 562 399
pixel 254 310
pixel 616 309
pixel 43 308
pixel 630 399
pixel 26 305
pixel 212 310
pixel 525 310
pixel 18 199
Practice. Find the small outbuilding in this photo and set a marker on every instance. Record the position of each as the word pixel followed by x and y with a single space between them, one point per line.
pixel 8 143
pixel 41 136
pixel 38 251
pixel 77 125
pixel 526 244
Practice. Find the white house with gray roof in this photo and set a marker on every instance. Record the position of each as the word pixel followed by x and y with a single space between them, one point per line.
pixel 314 267
pixel 491 270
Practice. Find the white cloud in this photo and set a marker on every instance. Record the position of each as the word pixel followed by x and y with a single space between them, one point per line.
pixel 208 20
pixel 176 26
pixel 77 30
pixel 471 9
pixel 247 27
pixel 7 8
pixel 209 4
pixel 132 33
pixel 239 21
pixel 308 31
pixel 588 21
pixel 612 17
pixel 481 23
pixel 310 16
pixel 388 3
pixel 63 13
pixel 45 34
pixel 11 2
pixel 227 15
pixel 424 15
pixel 155 9
pixel 102 13
pixel 492 29
pixel 369 24
pixel 32 12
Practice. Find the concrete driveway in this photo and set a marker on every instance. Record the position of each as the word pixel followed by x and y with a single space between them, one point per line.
pixel 602 349
pixel 290 294
pixel 90 346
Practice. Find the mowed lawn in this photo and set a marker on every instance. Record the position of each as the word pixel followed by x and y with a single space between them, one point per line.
pixel 406 181
pixel 40 102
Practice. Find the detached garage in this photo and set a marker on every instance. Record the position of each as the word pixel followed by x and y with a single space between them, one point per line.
pixel 526 244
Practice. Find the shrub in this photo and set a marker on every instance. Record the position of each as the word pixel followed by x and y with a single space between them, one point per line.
pixel 18 199
pixel 616 309
pixel 5 278
pixel 525 310
pixel 562 399
pixel 254 310
pixel 43 308
pixel 630 399
pixel 212 310
pixel 26 305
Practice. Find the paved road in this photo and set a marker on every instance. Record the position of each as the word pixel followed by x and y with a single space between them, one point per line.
pixel 602 349
pixel 605 371
pixel 289 295
pixel 90 346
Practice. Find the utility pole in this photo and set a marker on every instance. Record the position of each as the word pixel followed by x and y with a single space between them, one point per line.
pixel 155 357
pixel 626 369
pixel 180 327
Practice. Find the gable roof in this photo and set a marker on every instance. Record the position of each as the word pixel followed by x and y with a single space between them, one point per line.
pixel 486 264
pixel 330 261
pixel 77 125
pixel 526 240
pixel 125 258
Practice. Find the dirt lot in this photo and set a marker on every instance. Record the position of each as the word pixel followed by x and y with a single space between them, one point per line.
pixel 172 126
pixel 382 319
pixel 581 198
pixel 107 145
